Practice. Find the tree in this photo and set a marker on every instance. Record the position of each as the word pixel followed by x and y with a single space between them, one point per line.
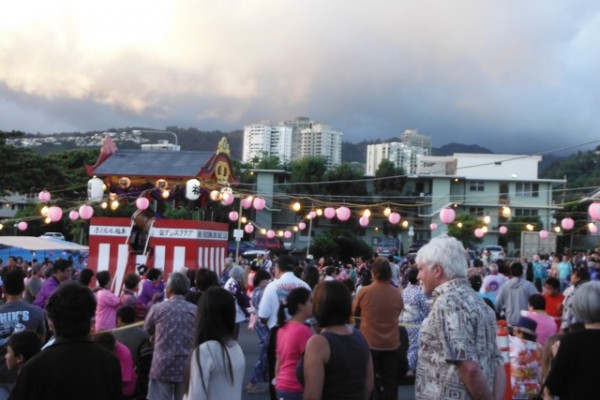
pixel 306 171
pixel 463 229
pixel 346 180
pixel 390 179
pixel 518 224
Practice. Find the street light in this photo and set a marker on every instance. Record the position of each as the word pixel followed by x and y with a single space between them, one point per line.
pixel 152 131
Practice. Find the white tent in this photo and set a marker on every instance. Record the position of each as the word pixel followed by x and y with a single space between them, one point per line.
pixel 33 243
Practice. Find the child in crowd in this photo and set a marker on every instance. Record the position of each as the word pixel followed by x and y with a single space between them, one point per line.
pixel 21 347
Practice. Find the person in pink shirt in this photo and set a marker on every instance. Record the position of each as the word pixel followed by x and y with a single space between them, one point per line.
pixel 108 303
pixel 546 326
pixel 123 353
pixel 292 337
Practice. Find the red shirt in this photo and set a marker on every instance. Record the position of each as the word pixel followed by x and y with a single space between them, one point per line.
pixel 554 306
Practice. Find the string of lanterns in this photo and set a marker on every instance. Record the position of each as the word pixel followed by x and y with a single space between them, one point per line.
pixel 96 192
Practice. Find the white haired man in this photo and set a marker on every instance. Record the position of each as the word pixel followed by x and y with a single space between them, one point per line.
pixel 458 355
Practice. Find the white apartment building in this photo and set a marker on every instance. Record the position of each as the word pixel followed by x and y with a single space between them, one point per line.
pixel 403 154
pixel 322 141
pixel 399 153
pixel 304 136
pixel 265 139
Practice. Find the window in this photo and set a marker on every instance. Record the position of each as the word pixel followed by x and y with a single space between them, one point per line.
pixel 476 186
pixel 527 189
pixel 476 211
pixel 526 212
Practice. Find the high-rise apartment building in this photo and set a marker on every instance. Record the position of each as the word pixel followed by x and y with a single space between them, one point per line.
pixel 305 136
pixel 265 139
pixel 403 154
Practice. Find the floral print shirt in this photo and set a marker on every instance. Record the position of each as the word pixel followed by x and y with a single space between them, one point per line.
pixel 525 368
pixel 460 327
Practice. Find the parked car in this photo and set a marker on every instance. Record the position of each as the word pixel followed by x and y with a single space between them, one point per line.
pixel 274 244
pixel 494 252
pixel 387 247
pixel 53 235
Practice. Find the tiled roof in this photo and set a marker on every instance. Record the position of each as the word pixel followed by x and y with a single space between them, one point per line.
pixel 154 163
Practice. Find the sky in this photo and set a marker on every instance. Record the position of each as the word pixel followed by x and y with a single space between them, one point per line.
pixel 512 75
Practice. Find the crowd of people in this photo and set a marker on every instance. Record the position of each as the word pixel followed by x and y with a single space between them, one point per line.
pixel 335 328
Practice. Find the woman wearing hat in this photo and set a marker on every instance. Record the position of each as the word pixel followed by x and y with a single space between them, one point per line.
pixel 525 360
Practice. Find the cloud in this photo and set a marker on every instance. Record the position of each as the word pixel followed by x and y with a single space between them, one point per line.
pixel 500 74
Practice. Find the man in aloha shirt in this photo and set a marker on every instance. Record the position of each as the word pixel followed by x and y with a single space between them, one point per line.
pixel 458 355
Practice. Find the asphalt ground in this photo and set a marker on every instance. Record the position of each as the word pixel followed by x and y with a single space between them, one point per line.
pixel 249 343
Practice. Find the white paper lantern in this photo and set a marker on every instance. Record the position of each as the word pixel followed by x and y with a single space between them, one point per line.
pixel 95 190
pixel 192 189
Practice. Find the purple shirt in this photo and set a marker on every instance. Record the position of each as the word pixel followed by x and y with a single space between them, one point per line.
pixel 172 323
pixel 149 290
pixel 48 287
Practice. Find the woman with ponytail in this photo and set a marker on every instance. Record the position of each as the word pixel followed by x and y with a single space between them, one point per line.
pixel 291 342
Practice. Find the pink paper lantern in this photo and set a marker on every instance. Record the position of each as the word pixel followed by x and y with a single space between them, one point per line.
pixel 141 203
pixel 433 226
pixel 44 196
pixel 594 211
pixel 343 213
pixel 329 212
pixel 227 199
pixel 312 214
pixel 544 234
pixel 233 216
pixel 270 234
pixel 86 211
pixel 55 213
pixel 479 233
pixel 364 221
pixel 249 228
pixel 246 203
pixel 287 234
pixel 447 215
pixel 394 218
pixel 567 223
pixel 73 215
pixel 258 203
pixel 503 230
pixel 593 228
pixel 301 226
pixel 22 226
